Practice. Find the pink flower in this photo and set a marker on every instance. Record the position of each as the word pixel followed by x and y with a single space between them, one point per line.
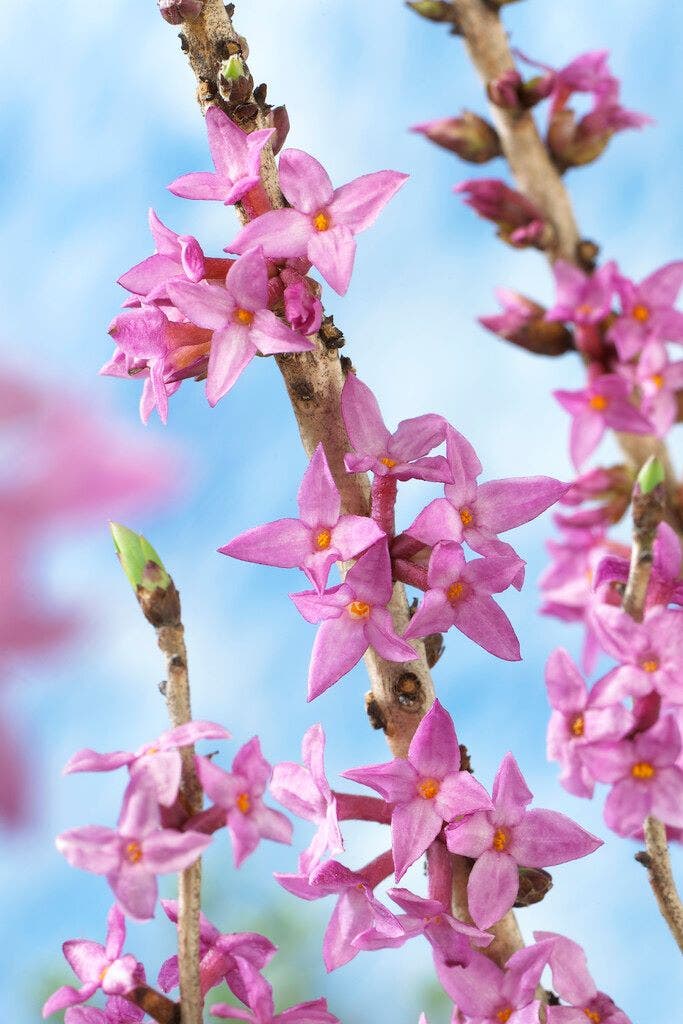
pixel 321 221
pixel 354 616
pixel 658 381
pixel 356 912
pixel 175 256
pixel 219 955
pixel 160 759
pixel 574 984
pixel 399 455
pixel 582 298
pixel 236 156
pixel 477 513
pixel 510 837
pixel 520 223
pixel 98 967
pixel 258 995
pixel 240 794
pixel 459 595
pixel 427 788
pixel 487 994
pixel 604 403
pixel 666 585
pixel 305 791
pixel 303 309
pixel 239 317
pixel 133 856
pixel 315 541
pixel 650 653
pixel 579 718
pixel 117 1010
pixel 648 312
pixel 644 775
pixel 523 322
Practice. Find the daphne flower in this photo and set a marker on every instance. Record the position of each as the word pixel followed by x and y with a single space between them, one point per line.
pixel 258 996
pixel 648 312
pixel 320 222
pixel 650 653
pixel 488 994
pixel 175 256
pixel 520 223
pixel 666 585
pixel 604 403
pixel 582 298
pixel 574 984
pixel 658 380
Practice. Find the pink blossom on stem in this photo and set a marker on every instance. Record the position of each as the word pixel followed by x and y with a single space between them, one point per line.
pixel 459 594
pixel 117 1010
pixel 578 718
pixel 353 617
pixel 523 322
pixel 666 585
pixel 574 984
pixel 605 402
pixel 315 541
pixel 510 837
pixel 239 317
pixel 136 853
pixel 175 256
pixel 356 913
pixel 488 994
pixel 98 967
pixel 647 310
pixel 303 309
pixel 219 955
pixel 520 223
pixel 477 513
pixel 582 298
pixel 427 788
pixel 658 381
pixel 258 996
pixel 321 222
pixel 650 653
pixel 240 794
pixel 644 775
pixel 236 156
pixel 400 455
pixel 304 790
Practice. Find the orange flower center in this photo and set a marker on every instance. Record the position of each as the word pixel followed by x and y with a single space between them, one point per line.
pixel 455 591
pixel 658 381
pixel 243 316
pixel 152 750
pixel 321 221
pixel 585 309
pixel 504 1015
pixel 103 973
pixel 500 841
pixel 598 402
pixel 389 463
pixel 323 539
pixel 428 788
pixel 592 1015
pixel 466 516
pixel 358 610
pixel 577 726
pixel 244 803
pixel 642 314
pixel 133 852
pixel 650 664
pixel 643 770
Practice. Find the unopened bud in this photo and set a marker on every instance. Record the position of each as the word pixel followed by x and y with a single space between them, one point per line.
pixel 469 136
pixel 534 885
pixel 434 10
pixel 505 90
pixel 175 12
pixel 279 119
pixel 523 323
pixel 651 475
pixel 232 68
pixel 520 223
pixel 154 588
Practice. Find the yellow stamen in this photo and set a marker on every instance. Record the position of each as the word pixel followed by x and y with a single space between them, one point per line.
pixel 455 591
pixel 321 221
pixel 585 309
pixel 466 516
pixel 593 1016
pixel 504 1015
pixel 428 788
pixel 358 610
pixel 152 750
pixel 650 664
pixel 598 402
pixel 243 803
pixel 389 463
pixel 643 770
pixel 323 539
pixel 133 852
pixel 243 316
pixel 500 841
pixel 577 726
pixel 640 313
pixel 657 380
pixel 103 972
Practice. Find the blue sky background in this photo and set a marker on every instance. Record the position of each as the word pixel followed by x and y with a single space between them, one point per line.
pixel 99 115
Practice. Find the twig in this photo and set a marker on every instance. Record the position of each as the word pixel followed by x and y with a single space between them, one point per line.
pixel 658 864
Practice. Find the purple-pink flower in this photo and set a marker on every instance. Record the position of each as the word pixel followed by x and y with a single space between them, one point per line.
pixel 240 794
pixel 236 156
pixel 403 454
pixel 604 402
pixel 321 222
pixel 647 310
pixel 509 837
pixel 666 585
pixel 304 790
pixel 258 996
pixel 132 856
pixel 239 317
pixel 573 983
pixel 520 223
pixel 427 788
pixel 315 541
pixel 175 256
pixel 581 298
pixel 658 381
pixel 488 994
pixel 353 617
pixel 98 967
pixel 650 653
pixel 160 759
pixel 117 1010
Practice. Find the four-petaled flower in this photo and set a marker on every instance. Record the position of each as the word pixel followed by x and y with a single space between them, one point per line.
pixel 488 994
pixel 605 402
pixel 650 653
pixel 175 256
pixel 258 995
pixel 648 312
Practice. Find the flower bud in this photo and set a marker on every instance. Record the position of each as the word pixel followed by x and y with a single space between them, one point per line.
pixel 138 559
pixel 469 136
pixel 279 119
pixel 232 68
pixel 520 223
pixel 651 475
pixel 523 323
pixel 434 10
pixel 175 12
pixel 504 91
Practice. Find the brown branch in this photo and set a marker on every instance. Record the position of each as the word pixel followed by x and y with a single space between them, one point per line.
pixel 156 1005
pixel 658 864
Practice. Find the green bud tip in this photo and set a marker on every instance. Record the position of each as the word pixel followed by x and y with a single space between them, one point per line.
pixel 139 560
pixel 233 68
pixel 651 475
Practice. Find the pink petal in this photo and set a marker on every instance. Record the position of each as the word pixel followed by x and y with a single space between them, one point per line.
pixel 492 887
pixel 271 335
pixel 164 768
pixel 505 504
pixel 333 253
pixel 304 181
pixel 439 521
pixel 586 431
pixel 627 806
pixel 250 762
pixel 663 285
pixel 339 645
pixel 359 203
pixel 471 837
pixel 247 281
pixel 206 304
pixel 191 732
pixel 202 185
pixel 667 796
pixel 362 418
pixel 370 577
pixel 354 534
pixel 90 761
pixel 92 848
pixel 414 827
pixel 166 851
pixel 139 812
pixel 434 615
pixel 282 234
pixel 135 889
pixel 220 786
pixel 318 497
pixel 86 959
pixel 68 996
pixel 380 631
pixel 511 795
pixel 285 543
pixel 480 618
pixel 149 274
pixel 545 838
pixel 396 780
pixel 272 824
pixel 231 351
pixel 460 793
pixel 465 468
pixel 416 437
pixel 434 750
